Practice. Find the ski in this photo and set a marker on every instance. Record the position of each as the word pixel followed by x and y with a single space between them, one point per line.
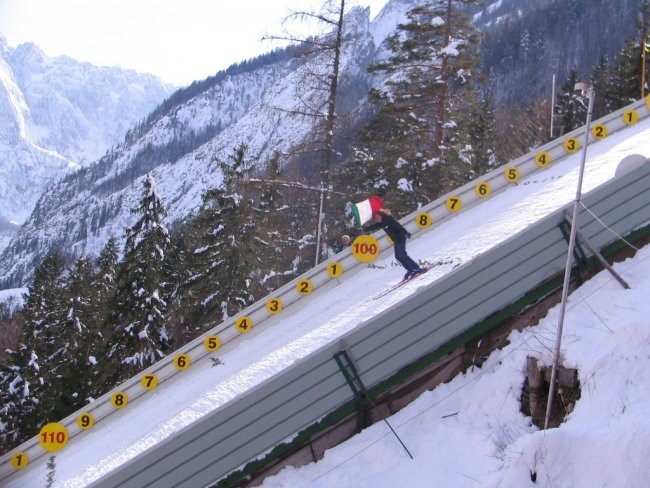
pixel 397 285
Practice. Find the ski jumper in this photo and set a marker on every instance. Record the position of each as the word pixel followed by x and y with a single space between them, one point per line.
pixel 398 234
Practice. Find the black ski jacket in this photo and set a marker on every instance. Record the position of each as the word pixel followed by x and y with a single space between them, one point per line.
pixel 391 226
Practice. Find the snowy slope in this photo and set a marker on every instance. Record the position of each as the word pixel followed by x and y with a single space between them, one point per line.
pixel 323 317
pixel 469 433
pixel 250 106
pixel 56 115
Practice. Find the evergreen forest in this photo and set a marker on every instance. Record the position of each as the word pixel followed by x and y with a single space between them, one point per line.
pixel 88 323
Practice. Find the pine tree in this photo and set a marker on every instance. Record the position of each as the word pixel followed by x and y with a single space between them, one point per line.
pixel 604 88
pixel 104 289
pixel 626 75
pixel 140 335
pixel 521 129
pixel 318 94
pixel 82 338
pixel 176 271
pixel 31 388
pixel 471 153
pixel 278 239
pixel 430 72
pixel 571 109
pixel 226 253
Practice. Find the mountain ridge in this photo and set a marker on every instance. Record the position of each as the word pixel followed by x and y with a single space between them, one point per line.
pixel 58 115
pixel 181 139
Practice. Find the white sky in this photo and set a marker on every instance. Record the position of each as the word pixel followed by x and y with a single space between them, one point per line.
pixel 178 41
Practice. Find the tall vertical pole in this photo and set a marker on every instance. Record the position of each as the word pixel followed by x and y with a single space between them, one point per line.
pixel 569 263
pixel 552 103
pixel 644 40
pixel 319 230
pixel 643 64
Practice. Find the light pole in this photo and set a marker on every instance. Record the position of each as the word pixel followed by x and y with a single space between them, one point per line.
pixel 589 90
pixel 322 189
pixel 319 229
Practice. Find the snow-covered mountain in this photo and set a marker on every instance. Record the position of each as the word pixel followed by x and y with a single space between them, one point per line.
pixel 56 115
pixel 179 145
pixel 179 141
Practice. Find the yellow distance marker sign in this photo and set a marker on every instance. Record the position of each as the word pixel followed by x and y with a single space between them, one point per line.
pixel 149 381
pixel 119 399
pixel 181 361
pixel 243 324
pixel 19 460
pixel 85 421
pixel 512 174
pixel 335 269
pixel 571 145
pixel 631 117
pixel 542 159
pixel 423 220
pixel 304 287
pixel 53 437
pixel 274 305
pixel 599 131
pixel 212 343
pixel 365 248
pixel 454 204
pixel 482 189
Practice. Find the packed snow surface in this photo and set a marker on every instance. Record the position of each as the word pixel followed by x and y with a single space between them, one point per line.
pixel 468 432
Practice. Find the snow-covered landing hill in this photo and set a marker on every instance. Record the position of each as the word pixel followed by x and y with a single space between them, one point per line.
pixel 483 440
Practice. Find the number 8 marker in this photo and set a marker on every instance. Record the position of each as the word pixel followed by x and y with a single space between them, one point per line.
pixel 423 220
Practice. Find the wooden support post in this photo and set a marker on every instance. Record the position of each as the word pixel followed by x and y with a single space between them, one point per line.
pixel 535 383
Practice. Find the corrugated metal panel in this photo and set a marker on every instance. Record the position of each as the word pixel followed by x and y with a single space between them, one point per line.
pixel 300 396
pixel 103 411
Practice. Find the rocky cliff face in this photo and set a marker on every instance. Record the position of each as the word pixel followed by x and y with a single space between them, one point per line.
pixel 57 115
pixel 251 103
pixel 179 145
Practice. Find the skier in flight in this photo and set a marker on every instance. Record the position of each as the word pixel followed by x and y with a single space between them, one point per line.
pixel 395 230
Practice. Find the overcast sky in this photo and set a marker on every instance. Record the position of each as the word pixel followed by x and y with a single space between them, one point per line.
pixel 179 41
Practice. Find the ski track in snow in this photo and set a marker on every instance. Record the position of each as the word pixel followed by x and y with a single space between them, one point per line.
pixel 322 318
